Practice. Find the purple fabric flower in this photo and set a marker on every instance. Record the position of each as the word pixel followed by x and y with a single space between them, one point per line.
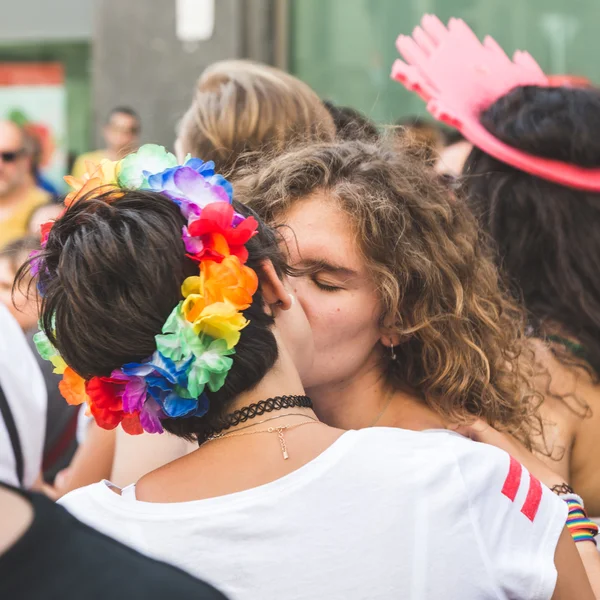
pixel 35 262
pixel 151 416
pixel 193 245
pixel 191 186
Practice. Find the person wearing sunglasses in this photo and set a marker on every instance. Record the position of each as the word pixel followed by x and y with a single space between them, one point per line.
pixel 19 194
pixel 121 135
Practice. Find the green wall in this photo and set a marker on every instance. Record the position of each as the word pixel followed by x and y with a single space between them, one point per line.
pixel 75 57
pixel 344 49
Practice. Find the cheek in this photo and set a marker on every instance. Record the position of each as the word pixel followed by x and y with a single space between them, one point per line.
pixel 339 318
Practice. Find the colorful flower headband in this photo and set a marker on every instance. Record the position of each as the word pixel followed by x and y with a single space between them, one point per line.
pixel 193 351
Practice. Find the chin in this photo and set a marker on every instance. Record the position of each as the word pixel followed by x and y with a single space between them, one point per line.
pixel 314 381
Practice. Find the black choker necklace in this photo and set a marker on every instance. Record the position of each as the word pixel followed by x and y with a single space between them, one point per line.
pixel 255 410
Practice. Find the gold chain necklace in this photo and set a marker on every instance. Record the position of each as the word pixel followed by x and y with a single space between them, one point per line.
pixel 278 430
pixel 217 435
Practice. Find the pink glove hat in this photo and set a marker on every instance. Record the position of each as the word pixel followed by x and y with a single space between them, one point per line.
pixel 459 78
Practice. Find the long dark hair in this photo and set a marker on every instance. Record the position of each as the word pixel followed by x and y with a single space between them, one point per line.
pixel 546 236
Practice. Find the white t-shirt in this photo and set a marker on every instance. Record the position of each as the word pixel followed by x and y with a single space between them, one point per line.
pixel 381 514
pixel 25 391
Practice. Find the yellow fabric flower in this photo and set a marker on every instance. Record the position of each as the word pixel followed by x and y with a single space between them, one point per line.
pixel 59 364
pixel 192 285
pixel 219 320
pixel 102 176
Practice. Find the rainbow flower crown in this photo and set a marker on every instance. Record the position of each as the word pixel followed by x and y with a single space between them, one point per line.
pixel 194 350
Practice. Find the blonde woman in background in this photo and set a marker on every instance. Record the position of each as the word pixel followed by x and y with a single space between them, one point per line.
pixel 239 109
pixel 242 109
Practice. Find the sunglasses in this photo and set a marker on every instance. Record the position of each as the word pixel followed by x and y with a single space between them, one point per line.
pixel 11 156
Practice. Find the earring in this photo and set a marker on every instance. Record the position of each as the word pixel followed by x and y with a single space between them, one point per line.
pixel 393 354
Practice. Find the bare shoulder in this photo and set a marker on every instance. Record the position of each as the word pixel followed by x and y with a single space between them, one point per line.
pixel 565 392
pixel 568 390
pixel 571 413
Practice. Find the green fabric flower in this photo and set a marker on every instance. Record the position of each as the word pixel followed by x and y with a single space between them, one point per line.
pixel 48 352
pixel 211 361
pixel 178 340
pixel 210 368
pixel 150 158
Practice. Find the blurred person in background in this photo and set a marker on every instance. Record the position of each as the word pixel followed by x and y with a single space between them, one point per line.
pixel 23 406
pixel 19 193
pixel 422 135
pixel 42 214
pixel 351 124
pixel 121 136
pixel 61 419
pixel 47 554
pixel 453 155
pixel 22 306
pixel 40 180
pixel 545 237
pixel 532 181
pixel 242 109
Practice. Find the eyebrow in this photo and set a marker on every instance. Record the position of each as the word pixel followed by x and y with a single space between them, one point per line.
pixel 320 265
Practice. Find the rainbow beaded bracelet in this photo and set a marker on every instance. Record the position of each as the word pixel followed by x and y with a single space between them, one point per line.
pixel 580 526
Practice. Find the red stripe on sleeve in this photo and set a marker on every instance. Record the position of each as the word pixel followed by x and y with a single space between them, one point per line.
pixel 534 498
pixel 513 480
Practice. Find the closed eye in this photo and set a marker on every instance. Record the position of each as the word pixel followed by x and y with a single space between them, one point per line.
pixel 325 287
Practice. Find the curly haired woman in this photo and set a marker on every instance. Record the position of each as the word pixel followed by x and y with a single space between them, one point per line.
pixel 411 327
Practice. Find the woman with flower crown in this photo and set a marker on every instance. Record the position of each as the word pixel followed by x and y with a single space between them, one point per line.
pixel 166 306
pixel 239 109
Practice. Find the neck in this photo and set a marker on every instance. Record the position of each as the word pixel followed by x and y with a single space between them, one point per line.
pixel 281 380
pixel 352 403
pixel 367 399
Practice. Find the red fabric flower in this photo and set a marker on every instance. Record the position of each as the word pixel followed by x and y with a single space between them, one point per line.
pixel 106 406
pixel 219 236
pixel 45 231
pixel 131 424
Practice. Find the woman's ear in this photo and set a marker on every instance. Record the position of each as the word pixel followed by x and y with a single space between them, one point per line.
pixel 390 340
pixel 272 287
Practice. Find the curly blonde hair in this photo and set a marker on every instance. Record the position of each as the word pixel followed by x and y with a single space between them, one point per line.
pixel 461 335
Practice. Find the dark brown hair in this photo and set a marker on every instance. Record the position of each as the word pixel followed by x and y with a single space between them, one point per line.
pixel 461 334
pixel 545 235
pixel 111 274
pixel 351 124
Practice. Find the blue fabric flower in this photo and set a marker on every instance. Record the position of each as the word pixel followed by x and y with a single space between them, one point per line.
pixel 191 186
pixel 165 381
